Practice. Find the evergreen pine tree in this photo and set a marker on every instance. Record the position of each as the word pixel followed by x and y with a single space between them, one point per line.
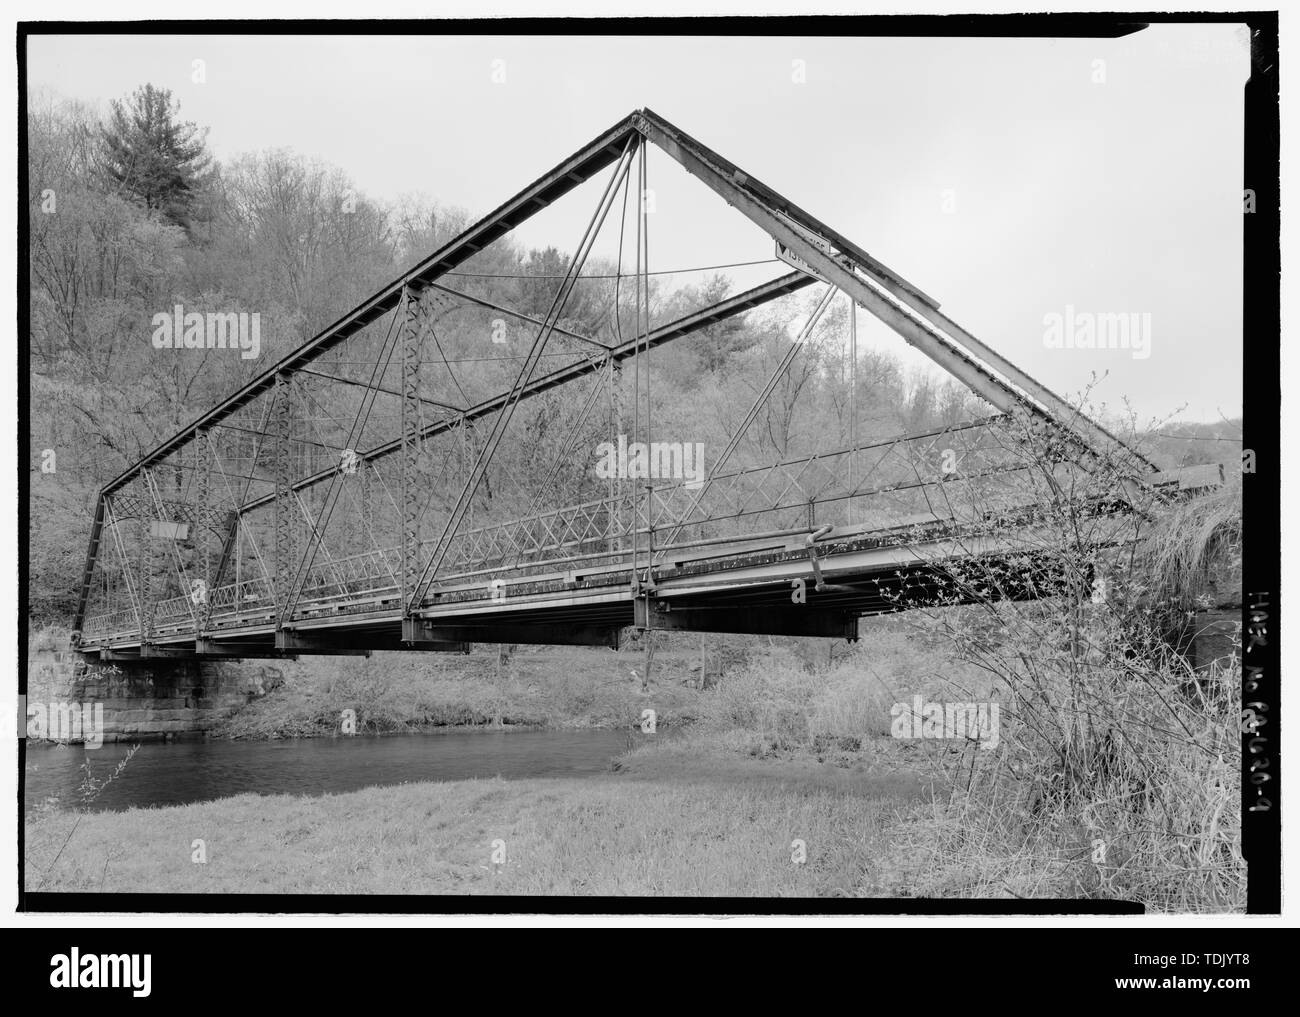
pixel 152 156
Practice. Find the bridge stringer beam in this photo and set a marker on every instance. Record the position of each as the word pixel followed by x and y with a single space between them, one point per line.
pixel 295 642
pixel 365 643
pixel 532 634
pixel 211 649
pixel 654 614
pixel 418 634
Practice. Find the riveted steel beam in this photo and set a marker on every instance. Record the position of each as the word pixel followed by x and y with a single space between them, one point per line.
pixel 412 334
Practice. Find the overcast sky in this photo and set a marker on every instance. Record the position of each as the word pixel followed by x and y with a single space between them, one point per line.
pixel 1008 179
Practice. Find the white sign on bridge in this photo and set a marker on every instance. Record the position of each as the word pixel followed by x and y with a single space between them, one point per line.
pixel 796 262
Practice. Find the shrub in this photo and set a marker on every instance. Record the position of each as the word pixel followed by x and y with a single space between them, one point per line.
pixel 1116 770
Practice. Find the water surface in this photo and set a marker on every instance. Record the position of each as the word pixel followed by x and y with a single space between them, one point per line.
pixel 196 771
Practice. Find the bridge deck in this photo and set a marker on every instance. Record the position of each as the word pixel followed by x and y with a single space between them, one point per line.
pixel 734 586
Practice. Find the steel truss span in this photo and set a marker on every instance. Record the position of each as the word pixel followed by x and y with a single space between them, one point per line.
pixel 323 509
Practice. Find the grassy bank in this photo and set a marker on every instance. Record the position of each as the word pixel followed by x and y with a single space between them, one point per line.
pixel 665 823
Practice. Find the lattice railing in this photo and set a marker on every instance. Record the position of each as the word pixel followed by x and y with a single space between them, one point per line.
pixel 944 473
pixel 111 624
pixel 238 598
pixel 173 609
